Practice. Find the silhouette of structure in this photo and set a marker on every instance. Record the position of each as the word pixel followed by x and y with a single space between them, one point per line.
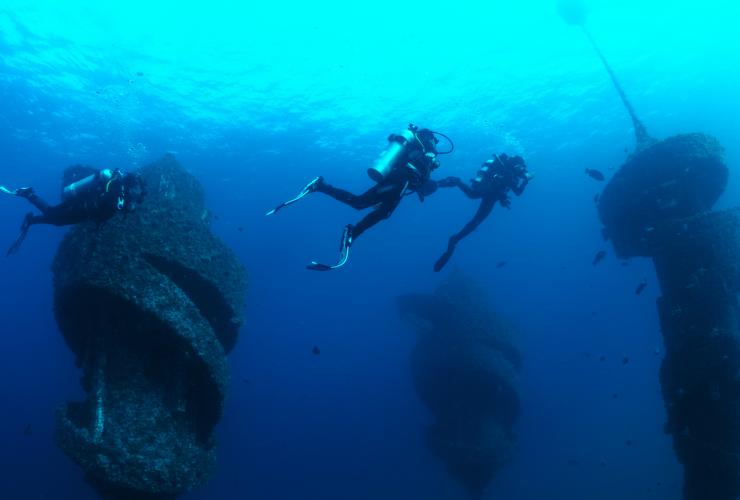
pixel 465 370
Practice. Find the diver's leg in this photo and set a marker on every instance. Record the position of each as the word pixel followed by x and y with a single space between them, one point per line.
pixel 33 198
pixel 359 202
pixel 307 189
pixel 483 211
pixel 386 198
pixel 469 192
pixel 29 194
pixel 458 183
pixel 388 201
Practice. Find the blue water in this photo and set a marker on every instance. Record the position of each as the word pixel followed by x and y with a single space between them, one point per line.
pixel 255 101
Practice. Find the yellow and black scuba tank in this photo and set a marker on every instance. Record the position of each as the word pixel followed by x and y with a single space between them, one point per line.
pixel 394 155
pixel 86 184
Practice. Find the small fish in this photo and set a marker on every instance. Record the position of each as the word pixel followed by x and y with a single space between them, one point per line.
pixel 602 358
pixel 240 229
pixel 615 396
pixel 596 197
pixel 599 257
pixel 625 360
pixel 500 264
pixel 139 73
pixel 595 174
pixel 316 351
pixel 640 287
pixel 28 430
pixel 628 442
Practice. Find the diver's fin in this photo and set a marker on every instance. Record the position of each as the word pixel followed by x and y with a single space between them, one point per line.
pixel 308 188
pixel 24 192
pixel 22 236
pixel 345 245
pixel 317 266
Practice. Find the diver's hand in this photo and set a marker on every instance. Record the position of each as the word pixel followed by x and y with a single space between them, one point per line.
pixel 448 182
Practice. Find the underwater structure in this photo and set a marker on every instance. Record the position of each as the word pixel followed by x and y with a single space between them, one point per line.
pixel 697 260
pixel 658 205
pixel 466 369
pixel 150 303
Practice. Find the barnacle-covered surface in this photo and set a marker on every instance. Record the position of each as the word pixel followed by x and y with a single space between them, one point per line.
pixel 674 178
pixel 698 264
pixel 150 303
pixel 465 369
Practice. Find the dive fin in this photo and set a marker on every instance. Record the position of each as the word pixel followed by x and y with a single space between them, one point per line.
pixel 317 266
pixel 308 188
pixel 5 190
pixel 346 244
pixel 22 236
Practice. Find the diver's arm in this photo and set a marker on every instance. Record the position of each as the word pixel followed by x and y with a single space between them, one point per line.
pixel 448 182
pixel 518 189
pixel 457 182
pixel 469 191
pixel 427 189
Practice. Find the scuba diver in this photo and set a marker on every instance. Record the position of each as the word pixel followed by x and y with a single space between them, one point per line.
pixel 88 194
pixel 494 180
pixel 403 168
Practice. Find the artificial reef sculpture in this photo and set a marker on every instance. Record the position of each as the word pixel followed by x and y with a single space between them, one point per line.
pixel 150 303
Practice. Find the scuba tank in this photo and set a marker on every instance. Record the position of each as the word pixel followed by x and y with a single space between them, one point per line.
pixel 484 173
pixel 86 184
pixel 393 155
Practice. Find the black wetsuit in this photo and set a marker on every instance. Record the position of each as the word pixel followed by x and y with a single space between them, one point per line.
pixel 98 202
pixel 98 205
pixel 387 194
pixel 490 188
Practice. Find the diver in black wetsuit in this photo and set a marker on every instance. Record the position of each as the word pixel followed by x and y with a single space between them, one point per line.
pixel 404 168
pixel 495 179
pixel 88 194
